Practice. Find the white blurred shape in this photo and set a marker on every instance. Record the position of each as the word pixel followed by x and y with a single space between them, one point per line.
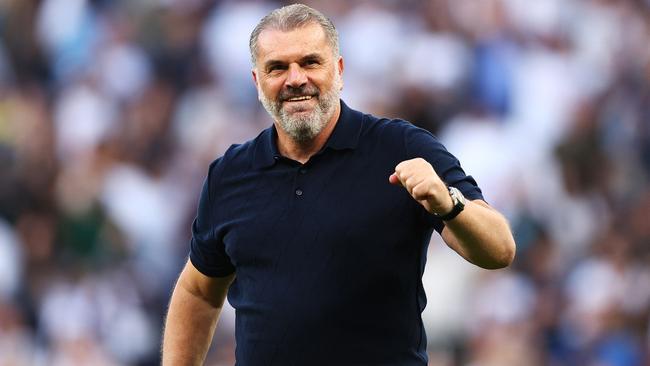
pixel 225 38
pixel 67 312
pixel 58 21
pixel 545 95
pixel 437 61
pixel 124 70
pixel 371 38
pixel 448 282
pixel 503 297
pixel 484 147
pixel 537 17
pixel 130 336
pixel 205 125
pixel 593 286
pixel 596 38
pixel 145 208
pixel 11 264
pixel 82 117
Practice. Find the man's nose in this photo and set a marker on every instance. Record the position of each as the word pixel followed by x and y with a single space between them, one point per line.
pixel 296 76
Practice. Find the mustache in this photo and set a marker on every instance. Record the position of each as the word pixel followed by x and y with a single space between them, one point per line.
pixel 292 92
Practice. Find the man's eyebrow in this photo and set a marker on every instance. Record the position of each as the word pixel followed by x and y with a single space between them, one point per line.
pixel 311 56
pixel 271 63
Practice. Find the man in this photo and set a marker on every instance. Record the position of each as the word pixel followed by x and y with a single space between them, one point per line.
pixel 317 229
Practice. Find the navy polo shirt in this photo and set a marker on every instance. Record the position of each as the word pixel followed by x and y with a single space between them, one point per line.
pixel 328 255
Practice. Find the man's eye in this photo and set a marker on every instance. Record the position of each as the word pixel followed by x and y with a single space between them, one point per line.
pixel 276 68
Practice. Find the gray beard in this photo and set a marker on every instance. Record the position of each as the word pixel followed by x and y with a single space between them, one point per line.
pixel 303 128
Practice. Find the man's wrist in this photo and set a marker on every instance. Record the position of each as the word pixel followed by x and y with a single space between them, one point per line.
pixel 458 204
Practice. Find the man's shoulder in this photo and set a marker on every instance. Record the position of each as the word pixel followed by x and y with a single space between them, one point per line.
pixel 374 123
pixel 398 136
pixel 239 156
pixel 391 128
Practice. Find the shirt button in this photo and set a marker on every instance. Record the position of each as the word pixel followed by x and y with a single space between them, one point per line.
pixel 302 170
pixel 298 192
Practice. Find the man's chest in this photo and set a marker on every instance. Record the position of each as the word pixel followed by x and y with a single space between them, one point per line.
pixel 332 208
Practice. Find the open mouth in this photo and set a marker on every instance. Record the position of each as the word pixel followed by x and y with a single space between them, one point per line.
pixel 299 99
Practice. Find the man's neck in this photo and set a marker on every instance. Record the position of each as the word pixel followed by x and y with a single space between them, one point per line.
pixel 303 151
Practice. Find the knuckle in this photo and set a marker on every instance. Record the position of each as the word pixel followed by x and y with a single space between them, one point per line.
pixel 417 192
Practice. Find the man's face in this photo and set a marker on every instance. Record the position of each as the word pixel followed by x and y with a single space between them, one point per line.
pixel 298 79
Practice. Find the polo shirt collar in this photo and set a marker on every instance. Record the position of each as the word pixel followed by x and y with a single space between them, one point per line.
pixel 347 130
pixel 266 151
pixel 345 136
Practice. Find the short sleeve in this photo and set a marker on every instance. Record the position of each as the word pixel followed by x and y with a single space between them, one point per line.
pixel 207 250
pixel 421 143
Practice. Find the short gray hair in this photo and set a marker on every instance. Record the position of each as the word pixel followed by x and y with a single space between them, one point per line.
pixel 291 17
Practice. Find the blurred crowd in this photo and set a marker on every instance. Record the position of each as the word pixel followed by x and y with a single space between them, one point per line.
pixel 111 111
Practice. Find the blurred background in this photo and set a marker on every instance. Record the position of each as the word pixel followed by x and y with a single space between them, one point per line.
pixel 111 111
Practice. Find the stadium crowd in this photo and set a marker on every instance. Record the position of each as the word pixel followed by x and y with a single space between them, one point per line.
pixel 111 111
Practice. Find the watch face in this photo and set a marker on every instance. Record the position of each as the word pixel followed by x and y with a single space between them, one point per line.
pixel 457 196
pixel 459 203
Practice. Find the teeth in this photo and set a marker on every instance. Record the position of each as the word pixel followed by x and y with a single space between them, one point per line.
pixel 296 99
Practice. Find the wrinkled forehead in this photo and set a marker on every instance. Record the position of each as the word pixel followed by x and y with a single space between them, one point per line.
pixel 279 44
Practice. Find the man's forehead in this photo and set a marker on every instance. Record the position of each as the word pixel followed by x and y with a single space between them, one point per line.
pixel 309 38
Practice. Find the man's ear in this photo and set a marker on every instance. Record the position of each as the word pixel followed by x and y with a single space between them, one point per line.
pixel 257 84
pixel 254 73
pixel 341 67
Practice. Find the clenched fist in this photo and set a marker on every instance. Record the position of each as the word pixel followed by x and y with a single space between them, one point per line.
pixel 423 184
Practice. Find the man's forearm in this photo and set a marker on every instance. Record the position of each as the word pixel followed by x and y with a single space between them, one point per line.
pixel 481 235
pixel 189 328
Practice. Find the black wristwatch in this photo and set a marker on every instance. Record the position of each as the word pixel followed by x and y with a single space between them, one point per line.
pixel 458 200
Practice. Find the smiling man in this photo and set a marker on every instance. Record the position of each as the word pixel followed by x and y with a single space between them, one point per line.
pixel 317 230
pixel 298 77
